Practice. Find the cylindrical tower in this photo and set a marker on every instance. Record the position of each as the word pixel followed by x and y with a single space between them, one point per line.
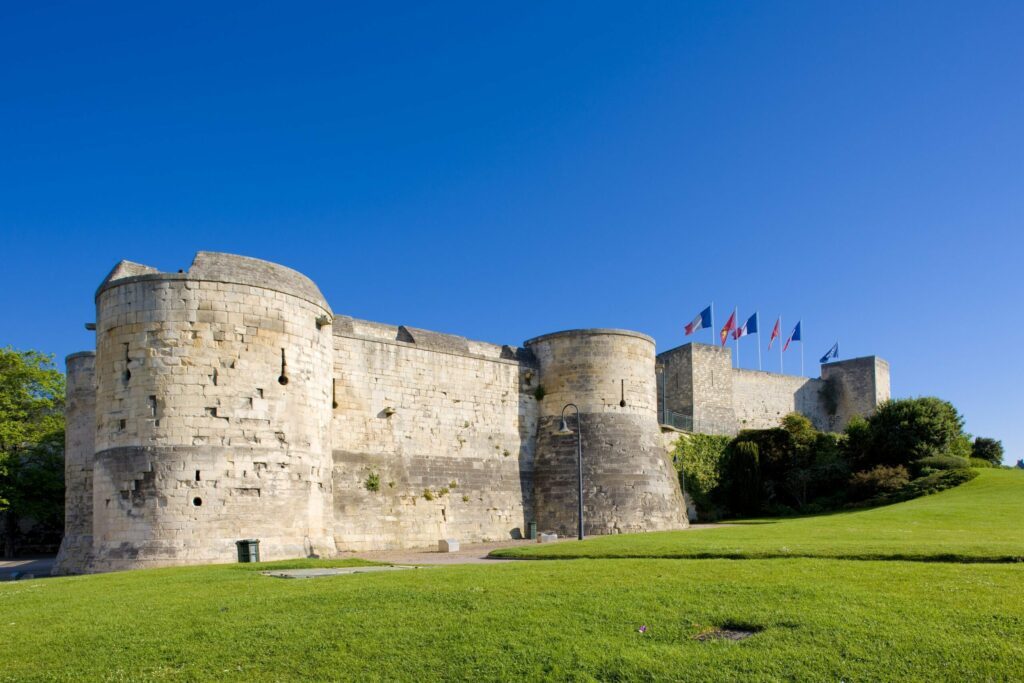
pixel 79 447
pixel 628 483
pixel 212 415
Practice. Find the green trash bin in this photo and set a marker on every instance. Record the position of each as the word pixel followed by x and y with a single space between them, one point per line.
pixel 248 550
pixel 533 531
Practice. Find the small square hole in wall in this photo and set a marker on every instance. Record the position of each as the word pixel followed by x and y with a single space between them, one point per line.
pixel 121 424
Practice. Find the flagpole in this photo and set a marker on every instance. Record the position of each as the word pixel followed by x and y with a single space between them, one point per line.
pixel 712 323
pixel 758 318
pixel 802 348
pixel 782 366
pixel 736 337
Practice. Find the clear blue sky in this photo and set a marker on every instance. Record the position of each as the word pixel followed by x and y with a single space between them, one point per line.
pixel 502 170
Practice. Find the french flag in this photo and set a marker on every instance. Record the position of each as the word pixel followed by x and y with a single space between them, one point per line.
pixel 749 327
pixel 793 336
pixel 702 321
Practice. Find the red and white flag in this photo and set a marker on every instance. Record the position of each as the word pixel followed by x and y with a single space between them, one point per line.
pixel 776 332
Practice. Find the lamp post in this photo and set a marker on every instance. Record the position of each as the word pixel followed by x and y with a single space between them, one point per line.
pixel 563 430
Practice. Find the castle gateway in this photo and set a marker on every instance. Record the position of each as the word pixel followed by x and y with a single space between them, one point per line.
pixel 230 402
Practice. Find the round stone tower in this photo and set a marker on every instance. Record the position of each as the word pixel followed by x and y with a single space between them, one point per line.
pixel 79 446
pixel 629 485
pixel 213 406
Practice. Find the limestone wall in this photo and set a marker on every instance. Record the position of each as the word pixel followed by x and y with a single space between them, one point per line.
pixel 859 385
pixel 199 440
pixel 445 424
pixel 629 483
pixel 698 384
pixel 75 552
pixel 761 399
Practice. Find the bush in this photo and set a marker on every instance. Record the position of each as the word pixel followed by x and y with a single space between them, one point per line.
pixel 939 463
pixel 980 463
pixel 880 479
pixel 925 486
pixel 699 459
pixel 904 431
pixel 988 449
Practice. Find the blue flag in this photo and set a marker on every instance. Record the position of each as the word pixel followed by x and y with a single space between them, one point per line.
pixel 832 353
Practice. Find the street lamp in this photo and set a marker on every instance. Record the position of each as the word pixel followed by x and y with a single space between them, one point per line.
pixel 563 430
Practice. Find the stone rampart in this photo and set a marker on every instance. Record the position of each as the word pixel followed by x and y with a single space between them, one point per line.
pixel 446 428
pixel 628 481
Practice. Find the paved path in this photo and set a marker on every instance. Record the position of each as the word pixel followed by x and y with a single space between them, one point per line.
pixel 39 567
pixel 469 553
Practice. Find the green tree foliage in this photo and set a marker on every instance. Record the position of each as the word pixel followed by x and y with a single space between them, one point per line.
pixel 904 430
pixel 988 449
pixel 699 460
pixel 744 477
pixel 31 441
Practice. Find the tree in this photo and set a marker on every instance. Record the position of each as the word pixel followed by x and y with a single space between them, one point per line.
pixel 31 441
pixel 904 430
pixel 744 477
pixel 699 459
pixel 988 449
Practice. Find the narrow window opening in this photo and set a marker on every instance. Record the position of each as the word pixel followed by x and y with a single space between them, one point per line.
pixel 334 393
pixel 121 424
pixel 152 405
pixel 197 475
pixel 259 393
pixel 127 360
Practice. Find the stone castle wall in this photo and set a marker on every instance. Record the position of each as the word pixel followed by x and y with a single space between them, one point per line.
pixel 699 384
pixel 447 426
pixel 212 415
pixel 75 553
pixel 629 484
pixel 228 402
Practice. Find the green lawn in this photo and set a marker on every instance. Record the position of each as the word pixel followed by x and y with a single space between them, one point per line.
pixel 822 620
pixel 818 619
pixel 982 520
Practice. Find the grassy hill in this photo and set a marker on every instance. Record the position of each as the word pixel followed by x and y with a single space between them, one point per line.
pixel 980 521
pixel 815 619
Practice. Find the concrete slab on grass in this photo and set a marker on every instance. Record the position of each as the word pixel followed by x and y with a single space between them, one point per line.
pixel 327 571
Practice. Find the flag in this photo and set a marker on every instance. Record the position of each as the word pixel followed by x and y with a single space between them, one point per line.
pixel 730 325
pixel 832 353
pixel 793 336
pixel 749 327
pixel 776 332
pixel 702 321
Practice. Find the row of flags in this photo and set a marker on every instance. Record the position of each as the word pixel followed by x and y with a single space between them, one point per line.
pixel 705 320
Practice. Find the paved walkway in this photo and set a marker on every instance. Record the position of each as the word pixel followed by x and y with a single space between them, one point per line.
pixel 469 553
pixel 38 567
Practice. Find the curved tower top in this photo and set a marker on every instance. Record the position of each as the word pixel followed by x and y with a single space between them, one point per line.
pixel 212 266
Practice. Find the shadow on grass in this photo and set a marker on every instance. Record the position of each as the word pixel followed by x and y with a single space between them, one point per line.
pixel 861 557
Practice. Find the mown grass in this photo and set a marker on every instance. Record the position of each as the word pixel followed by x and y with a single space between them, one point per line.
pixel 817 619
pixel 822 620
pixel 980 521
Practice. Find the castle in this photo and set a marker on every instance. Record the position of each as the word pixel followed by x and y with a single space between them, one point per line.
pixel 230 402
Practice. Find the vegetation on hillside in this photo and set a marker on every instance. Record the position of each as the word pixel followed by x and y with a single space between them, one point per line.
pixel 908 447
pixel 31 451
